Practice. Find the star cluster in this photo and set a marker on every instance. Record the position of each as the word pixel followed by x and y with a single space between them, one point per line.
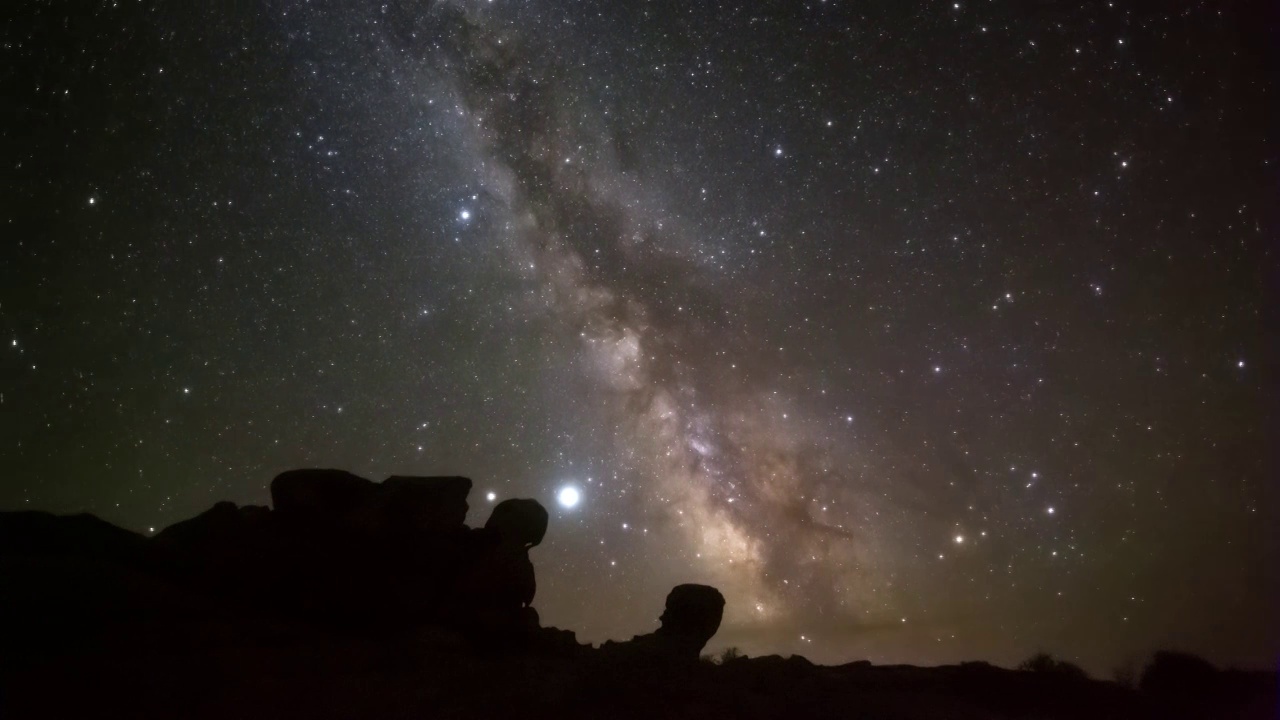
pixel 927 332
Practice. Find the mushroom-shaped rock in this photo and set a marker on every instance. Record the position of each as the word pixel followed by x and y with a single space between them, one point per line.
pixel 519 521
pixel 319 495
pixel 692 615
pixel 499 584
pixel 690 619
pixel 501 575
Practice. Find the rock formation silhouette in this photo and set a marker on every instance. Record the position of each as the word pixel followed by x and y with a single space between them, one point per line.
pixel 351 598
pixel 335 548
pixel 399 504
pixel 499 585
pixel 691 617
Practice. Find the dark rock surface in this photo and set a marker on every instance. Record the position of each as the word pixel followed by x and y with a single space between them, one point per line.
pixel 690 618
pixel 406 504
pixel 318 495
pixel 399 504
pixel 692 614
pixel 351 598
pixel 41 534
pixel 519 521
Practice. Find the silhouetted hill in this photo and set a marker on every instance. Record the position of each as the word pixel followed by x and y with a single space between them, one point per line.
pixel 358 599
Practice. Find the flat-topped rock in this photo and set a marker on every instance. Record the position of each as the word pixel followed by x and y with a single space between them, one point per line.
pixel 405 503
pixel 400 504
pixel 319 495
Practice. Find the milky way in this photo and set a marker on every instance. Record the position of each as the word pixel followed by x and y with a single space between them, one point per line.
pixel 716 458
pixel 926 333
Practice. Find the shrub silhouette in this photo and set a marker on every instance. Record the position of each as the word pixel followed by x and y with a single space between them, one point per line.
pixel 1046 664
pixel 1175 673
pixel 729 654
pixel 1126 676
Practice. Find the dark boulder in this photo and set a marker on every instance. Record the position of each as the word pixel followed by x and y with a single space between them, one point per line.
pixel 521 522
pixel 229 551
pixel 401 504
pixel 500 574
pixel 503 574
pixel 337 550
pixel 212 530
pixel 406 504
pixel 319 495
pixel 692 615
pixel 498 583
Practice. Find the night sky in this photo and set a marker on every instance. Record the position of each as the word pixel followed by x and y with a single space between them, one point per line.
pixel 925 331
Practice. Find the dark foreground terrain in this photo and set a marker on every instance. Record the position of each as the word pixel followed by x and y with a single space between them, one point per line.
pixel 352 599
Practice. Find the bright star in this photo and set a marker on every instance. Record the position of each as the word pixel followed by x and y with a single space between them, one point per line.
pixel 491 496
pixel 568 496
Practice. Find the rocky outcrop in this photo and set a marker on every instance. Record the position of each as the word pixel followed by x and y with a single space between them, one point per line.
pixel 336 549
pixel 519 522
pixel 398 553
pixel 360 599
pixel 322 496
pixel 339 550
pixel 399 504
pixel 404 504
pixel 42 534
pixel 691 617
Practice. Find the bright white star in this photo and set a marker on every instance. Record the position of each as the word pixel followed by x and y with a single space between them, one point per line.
pixel 568 496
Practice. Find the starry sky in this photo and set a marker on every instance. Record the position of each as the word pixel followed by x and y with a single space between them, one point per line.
pixel 925 331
